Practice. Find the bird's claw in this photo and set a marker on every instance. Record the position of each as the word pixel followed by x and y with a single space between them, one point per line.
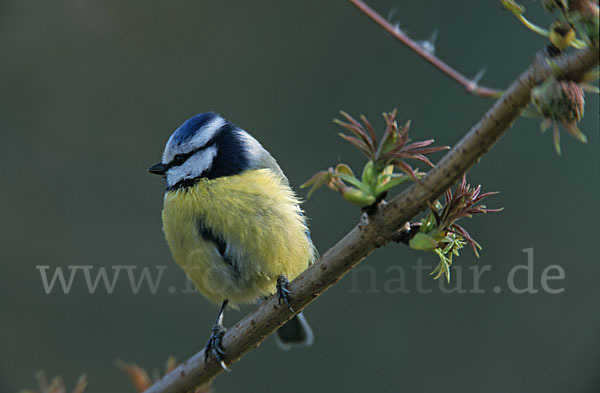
pixel 214 346
pixel 283 293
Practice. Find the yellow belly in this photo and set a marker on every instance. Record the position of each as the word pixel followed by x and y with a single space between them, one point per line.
pixel 257 215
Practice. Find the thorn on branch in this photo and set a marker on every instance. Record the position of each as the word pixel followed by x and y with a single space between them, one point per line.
pixel 425 52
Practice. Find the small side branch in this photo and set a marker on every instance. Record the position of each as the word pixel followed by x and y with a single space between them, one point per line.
pixel 379 228
pixel 470 85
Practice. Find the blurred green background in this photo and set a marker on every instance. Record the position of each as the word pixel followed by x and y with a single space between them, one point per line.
pixel 90 92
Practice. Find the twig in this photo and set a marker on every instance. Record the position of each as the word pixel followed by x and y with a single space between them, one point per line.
pixel 379 228
pixel 470 85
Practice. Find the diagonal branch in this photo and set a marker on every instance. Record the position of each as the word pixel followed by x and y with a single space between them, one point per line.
pixel 376 230
pixel 470 85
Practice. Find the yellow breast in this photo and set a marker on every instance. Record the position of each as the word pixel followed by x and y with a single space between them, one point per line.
pixel 257 215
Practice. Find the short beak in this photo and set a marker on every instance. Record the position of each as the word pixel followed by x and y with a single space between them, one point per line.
pixel 158 169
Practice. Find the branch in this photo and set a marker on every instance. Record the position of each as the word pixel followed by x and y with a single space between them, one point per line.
pixel 470 85
pixel 376 230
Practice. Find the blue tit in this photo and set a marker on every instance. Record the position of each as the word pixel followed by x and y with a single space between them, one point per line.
pixel 232 222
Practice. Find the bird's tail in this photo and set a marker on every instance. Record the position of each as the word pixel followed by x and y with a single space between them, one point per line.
pixel 295 333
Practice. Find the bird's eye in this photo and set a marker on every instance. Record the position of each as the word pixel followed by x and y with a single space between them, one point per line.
pixel 179 159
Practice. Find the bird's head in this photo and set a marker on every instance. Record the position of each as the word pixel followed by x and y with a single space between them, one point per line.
pixel 207 146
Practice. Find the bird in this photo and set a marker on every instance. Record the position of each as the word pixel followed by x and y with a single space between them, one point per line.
pixel 232 222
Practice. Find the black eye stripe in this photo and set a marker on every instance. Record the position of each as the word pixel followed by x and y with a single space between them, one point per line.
pixel 180 159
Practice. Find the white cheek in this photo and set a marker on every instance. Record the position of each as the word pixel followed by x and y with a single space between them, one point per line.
pixel 193 167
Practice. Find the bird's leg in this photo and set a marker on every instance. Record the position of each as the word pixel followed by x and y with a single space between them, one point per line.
pixel 283 293
pixel 214 346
